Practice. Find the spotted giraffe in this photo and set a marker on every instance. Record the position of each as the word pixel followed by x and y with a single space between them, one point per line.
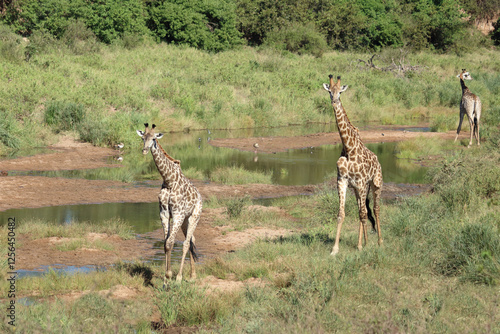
pixel 179 199
pixel 357 167
pixel 470 105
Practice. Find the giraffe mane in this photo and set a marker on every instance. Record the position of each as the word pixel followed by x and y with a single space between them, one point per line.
pixel 175 161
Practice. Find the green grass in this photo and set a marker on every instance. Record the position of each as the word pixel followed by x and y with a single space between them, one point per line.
pixel 37 229
pixel 105 95
pixel 238 175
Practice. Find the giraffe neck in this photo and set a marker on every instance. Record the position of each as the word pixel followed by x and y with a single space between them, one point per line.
pixel 348 134
pixel 465 89
pixel 169 170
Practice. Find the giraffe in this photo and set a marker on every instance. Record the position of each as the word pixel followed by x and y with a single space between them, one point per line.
pixel 470 105
pixel 178 199
pixel 357 167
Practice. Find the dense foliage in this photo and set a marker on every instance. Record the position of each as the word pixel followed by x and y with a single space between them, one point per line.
pixel 296 25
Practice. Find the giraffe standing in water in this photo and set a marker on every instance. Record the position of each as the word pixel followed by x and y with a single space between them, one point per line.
pixel 179 200
pixel 357 167
pixel 470 105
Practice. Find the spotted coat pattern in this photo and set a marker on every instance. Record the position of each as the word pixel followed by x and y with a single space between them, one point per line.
pixel 357 167
pixel 470 105
pixel 179 200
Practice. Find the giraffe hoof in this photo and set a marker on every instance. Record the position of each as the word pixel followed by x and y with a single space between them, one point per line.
pixel 178 279
pixel 334 252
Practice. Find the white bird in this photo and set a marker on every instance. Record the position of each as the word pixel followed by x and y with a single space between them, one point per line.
pixel 119 158
pixel 119 146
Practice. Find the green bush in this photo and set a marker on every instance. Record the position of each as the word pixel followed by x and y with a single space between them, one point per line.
pixel 474 253
pixel 209 25
pixel 463 179
pixel 234 206
pixel 495 34
pixel 11 45
pixel 7 132
pixel 111 19
pixel 298 38
pixel 63 115
pixel 79 38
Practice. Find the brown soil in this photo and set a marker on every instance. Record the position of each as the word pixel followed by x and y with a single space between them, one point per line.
pixel 38 191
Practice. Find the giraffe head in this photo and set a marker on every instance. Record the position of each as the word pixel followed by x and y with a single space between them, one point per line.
pixel 335 89
pixel 149 137
pixel 464 75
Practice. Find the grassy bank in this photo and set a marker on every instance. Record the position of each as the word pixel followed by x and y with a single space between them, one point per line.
pixel 105 95
pixel 437 271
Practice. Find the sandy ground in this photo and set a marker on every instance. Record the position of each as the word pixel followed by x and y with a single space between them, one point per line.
pixel 67 154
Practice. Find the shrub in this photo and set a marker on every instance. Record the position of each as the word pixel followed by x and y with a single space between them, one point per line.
pixel 298 38
pixel 235 206
pixel 79 38
pixel 495 34
pixel 209 25
pixel 474 253
pixel 63 115
pixel 11 46
pixel 7 130
pixel 462 179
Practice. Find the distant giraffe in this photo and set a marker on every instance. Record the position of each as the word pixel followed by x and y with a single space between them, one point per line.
pixel 470 105
pixel 357 167
pixel 178 199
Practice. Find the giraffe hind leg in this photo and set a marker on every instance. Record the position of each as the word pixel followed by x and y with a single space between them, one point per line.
pixel 189 226
pixel 376 210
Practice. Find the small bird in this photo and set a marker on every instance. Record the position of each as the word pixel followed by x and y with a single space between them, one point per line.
pixel 119 159
pixel 256 146
pixel 119 146
pixel 383 134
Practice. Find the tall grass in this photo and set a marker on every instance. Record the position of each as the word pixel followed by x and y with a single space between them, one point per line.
pixel 182 88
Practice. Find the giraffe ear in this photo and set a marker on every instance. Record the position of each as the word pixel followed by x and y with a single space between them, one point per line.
pixel 140 133
pixel 343 88
pixel 158 135
pixel 326 87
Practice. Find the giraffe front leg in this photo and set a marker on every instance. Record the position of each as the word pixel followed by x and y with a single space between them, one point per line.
pixel 169 244
pixel 342 190
pixel 163 198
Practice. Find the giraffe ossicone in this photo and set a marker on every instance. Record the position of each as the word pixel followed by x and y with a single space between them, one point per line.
pixel 357 167
pixel 180 202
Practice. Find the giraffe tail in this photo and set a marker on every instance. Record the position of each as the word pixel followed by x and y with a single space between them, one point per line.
pixel 370 215
pixel 192 250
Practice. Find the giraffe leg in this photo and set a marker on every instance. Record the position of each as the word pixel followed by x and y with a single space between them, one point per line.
pixel 377 191
pixel 342 189
pixel 188 228
pixel 165 222
pixel 459 124
pixel 477 132
pixel 471 126
pixel 169 244
pixel 363 215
